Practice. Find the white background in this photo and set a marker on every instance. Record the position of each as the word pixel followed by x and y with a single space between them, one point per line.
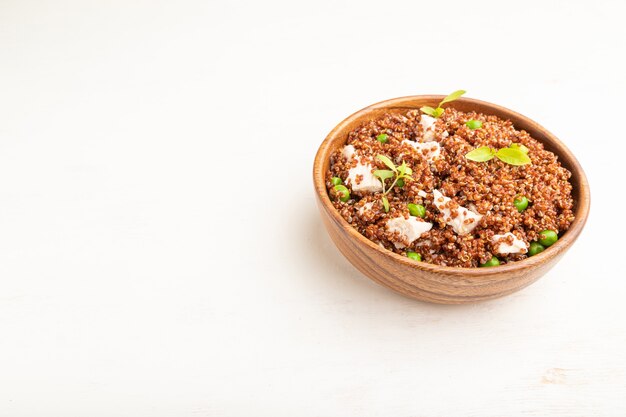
pixel 161 252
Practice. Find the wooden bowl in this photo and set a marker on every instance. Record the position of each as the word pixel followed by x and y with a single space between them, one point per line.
pixel 434 283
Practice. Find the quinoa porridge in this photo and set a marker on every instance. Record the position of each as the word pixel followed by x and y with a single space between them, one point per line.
pixel 431 189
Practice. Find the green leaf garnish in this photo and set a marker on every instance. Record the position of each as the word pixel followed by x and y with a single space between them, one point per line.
pixel 519 146
pixel 452 97
pixel 387 162
pixel 382 138
pixel 429 111
pixel 439 110
pixel 482 154
pixel 385 204
pixel 513 156
pixel 474 124
pixel 384 174
pixel 404 169
pixel 399 174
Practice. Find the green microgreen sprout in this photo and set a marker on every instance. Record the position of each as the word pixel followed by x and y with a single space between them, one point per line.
pixel 513 155
pixel 399 175
pixel 519 146
pixel 439 110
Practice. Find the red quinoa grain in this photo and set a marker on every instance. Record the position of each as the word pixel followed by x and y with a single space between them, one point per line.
pixel 485 188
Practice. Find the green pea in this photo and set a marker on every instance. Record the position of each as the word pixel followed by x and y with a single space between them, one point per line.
pixel 548 237
pixel 474 124
pixel 336 181
pixel 400 183
pixel 520 202
pixel 414 255
pixel 342 192
pixel 382 138
pixel 491 262
pixel 417 210
pixel 535 248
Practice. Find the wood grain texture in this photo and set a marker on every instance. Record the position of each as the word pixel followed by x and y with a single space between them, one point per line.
pixel 433 283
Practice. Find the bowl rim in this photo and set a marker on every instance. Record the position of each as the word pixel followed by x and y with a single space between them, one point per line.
pixel 580 214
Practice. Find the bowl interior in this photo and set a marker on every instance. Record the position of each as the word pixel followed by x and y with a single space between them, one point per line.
pixel 580 187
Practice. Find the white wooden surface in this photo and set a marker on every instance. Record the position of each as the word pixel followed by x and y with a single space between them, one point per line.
pixel 160 251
